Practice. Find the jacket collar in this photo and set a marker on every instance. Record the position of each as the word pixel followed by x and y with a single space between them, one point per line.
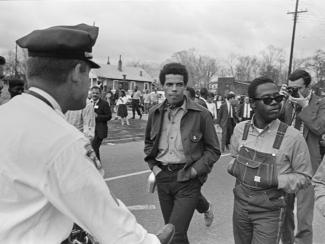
pixel 190 105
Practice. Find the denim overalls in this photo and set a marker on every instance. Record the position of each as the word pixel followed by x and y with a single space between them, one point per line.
pixel 259 204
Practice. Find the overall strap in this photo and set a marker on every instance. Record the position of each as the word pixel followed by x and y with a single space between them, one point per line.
pixel 246 130
pixel 279 135
pixel 40 97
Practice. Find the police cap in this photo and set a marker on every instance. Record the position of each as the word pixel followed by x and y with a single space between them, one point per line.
pixel 66 42
pixel 2 60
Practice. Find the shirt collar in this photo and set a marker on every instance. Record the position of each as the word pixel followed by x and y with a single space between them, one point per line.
pixel 271 126
pixel 49 98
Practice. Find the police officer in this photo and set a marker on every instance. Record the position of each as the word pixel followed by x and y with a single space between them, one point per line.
pixel 47 173
pixel 271 160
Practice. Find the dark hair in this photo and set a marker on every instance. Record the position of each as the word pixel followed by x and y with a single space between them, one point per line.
pixel 122 93
pixel 210 94
pixel 204 92
pixel 96 87
pixel 52 69
pixel 299 73
pixel 230 95
pixel 16 82
pixel 191 92
pixel 2 60
pixel 175 69
pixel 255 83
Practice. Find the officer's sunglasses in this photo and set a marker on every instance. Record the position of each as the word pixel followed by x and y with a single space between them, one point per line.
pixel 268 100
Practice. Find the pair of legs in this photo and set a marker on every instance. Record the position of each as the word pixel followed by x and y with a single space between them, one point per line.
pixel 96 143
pixel 227 133
pixel 257 216
pixel 135 107
pixel 305 213
pixel 178 201
pixel 124 121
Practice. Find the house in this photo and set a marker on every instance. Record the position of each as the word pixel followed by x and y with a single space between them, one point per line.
pixel 122 77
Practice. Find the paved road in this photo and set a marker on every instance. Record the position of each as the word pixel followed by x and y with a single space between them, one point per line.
pixel 126 175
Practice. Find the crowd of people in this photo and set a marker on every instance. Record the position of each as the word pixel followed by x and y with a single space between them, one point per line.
pixel 51 175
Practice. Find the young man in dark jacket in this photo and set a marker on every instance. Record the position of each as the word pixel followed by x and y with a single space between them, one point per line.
pixel 181 147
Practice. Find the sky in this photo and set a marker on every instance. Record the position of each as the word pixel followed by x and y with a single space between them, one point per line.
pixel 150 31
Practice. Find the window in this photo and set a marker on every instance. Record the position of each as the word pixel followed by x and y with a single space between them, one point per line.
pixel 146 86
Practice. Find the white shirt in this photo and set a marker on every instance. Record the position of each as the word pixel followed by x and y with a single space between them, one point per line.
pixel 247 110
pixel 48 182
pixel 212 108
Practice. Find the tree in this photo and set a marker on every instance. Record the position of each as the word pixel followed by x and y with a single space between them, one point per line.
pixel 246 68
pixel 272 64
pixel 316 64
pixel 15 68
pixel 200 68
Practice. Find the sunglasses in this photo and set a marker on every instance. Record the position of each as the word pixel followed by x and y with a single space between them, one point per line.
pixel 268 100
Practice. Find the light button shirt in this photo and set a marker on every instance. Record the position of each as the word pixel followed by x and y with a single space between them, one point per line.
pixel 292 158
pixel 170 142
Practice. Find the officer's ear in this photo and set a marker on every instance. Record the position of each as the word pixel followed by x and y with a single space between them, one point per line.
pixel 78 71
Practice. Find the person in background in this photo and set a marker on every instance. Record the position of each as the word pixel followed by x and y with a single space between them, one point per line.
pixel 181 147
pixel 16 87
pixel 102 116
pixel 271 159
pixel 219 102
pixel 245 111
pixel 227 120
pixel 154 97
pixel 136 99
pixel 122 110
pixel 83 119
pixel 211 105
pixel 146 101
pixel 306 112
pixel 202 99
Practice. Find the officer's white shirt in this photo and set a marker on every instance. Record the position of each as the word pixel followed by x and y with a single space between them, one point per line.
pixel 47 182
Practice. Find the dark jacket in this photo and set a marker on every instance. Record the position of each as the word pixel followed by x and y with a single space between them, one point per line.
pixel 313 117
pixel 199 139
pixel 103 115
pixel 223 115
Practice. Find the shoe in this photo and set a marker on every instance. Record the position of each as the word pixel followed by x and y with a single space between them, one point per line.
pixel 166 234
pixel 140 116
pixel 209 216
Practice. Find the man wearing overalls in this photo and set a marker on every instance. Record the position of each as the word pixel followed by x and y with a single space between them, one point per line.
pixel 271 160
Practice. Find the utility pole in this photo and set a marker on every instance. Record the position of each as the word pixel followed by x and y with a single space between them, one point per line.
pixel 16 63
pixel 296 12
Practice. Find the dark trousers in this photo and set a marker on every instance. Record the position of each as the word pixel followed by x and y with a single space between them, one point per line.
pixel 135 107
pixel 227 133
pixel 305 212
pixel 178 200
pixel 96 142
pixel 253 224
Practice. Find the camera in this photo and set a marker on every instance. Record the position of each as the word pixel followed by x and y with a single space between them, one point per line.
pixel 293 91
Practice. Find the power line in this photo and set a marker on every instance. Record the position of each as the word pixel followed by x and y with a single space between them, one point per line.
pixel 296 12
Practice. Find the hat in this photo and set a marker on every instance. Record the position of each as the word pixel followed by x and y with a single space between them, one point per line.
pixel 67 42
pixel 2 60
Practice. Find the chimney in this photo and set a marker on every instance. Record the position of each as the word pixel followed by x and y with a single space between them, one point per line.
pixel 120 64
pixel 108 62
pixel 141 73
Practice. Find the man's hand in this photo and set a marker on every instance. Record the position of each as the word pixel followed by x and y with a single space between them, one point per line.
pixel 193 173
pixel 301 101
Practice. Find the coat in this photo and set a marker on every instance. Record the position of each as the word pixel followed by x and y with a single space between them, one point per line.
pixel 199 139
pixel 313 117
pixel 104 114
